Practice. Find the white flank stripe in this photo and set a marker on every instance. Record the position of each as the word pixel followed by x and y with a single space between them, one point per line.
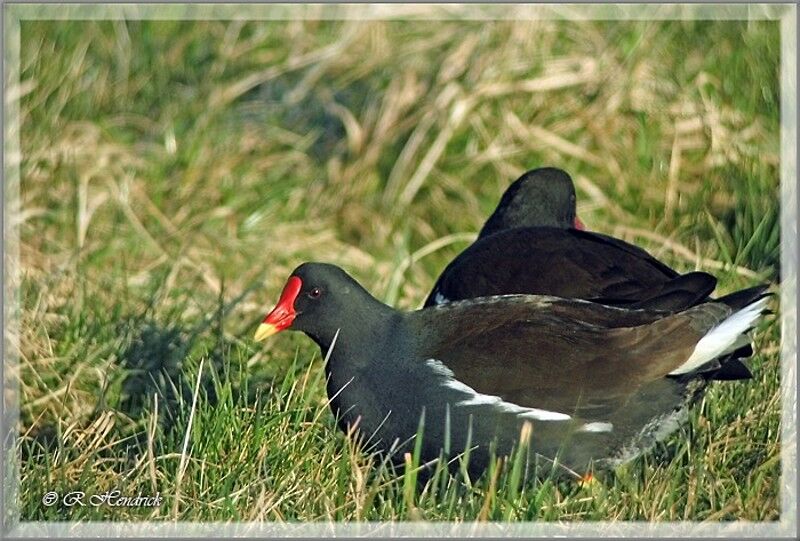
pixel 478 399
pixel 597 427
pixel 439 368
pixel 542 415
pixel 439 298
pixel 723 338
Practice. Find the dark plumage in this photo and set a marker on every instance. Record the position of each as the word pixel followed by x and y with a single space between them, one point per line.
pixel 540 197
pixel 598 383
pixel 530 245
pixel 568 263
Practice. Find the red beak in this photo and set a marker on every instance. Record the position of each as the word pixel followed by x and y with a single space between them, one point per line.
pixel 282 316
pixel 578 224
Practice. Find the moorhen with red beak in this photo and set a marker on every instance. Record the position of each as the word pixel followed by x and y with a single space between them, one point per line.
pixel 597 383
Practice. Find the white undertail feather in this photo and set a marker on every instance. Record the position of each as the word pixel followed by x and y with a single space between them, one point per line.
pixel 726 337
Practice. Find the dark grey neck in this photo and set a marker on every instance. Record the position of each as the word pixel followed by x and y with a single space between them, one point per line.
pixel 360 345
pixel 361 336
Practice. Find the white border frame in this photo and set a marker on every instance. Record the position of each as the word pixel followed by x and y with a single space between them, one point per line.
pixel 786 13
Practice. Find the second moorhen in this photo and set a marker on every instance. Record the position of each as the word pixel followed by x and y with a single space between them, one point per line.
pixel 533 243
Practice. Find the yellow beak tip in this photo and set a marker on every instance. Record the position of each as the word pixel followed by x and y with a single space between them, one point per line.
pixel 265 330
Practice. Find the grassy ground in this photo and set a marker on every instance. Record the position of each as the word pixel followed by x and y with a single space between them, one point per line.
pixel 173 173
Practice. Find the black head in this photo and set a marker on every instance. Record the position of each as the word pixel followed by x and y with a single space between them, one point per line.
pixel 541 197
pixel 319 299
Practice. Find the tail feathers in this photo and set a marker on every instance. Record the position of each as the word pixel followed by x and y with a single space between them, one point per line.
pixel 731 369
pixel 746 351
pixel 741 299
pixel 679 293
pixel 724 369
pixel 730 334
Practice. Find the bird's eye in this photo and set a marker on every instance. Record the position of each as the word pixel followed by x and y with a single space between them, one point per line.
pixel 315 293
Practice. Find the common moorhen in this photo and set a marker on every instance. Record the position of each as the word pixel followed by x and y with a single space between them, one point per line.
pixel 598 383
pixel 533 243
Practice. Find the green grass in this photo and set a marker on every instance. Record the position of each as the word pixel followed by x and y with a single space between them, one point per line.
pixel 173 174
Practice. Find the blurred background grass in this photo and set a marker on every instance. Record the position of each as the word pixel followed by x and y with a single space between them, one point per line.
pixel 174 172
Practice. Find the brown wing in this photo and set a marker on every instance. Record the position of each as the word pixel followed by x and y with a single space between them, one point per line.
pixel 562 355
